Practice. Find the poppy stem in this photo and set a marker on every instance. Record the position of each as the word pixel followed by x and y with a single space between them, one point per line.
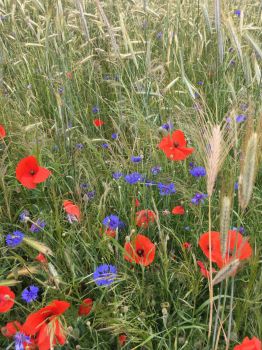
pixel 210 270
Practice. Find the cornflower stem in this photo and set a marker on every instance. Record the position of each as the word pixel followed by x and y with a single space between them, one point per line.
pixel 210 271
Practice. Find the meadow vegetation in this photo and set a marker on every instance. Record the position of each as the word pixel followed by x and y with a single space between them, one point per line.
pixel 91 89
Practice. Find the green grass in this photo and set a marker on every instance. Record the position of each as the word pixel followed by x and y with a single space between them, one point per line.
pixel 151 81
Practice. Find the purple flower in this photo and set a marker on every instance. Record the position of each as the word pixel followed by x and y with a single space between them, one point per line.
pixel 198 198
pixel 20 339
pixel 91 194
pixel 30 294
pixel 113 222
pixel 167 126
pixel 200 83
pixel 136 159
pixel 156 170
pixel 105 145
pixel 61 90
pixel 133 178
pixel 105 275
pixel 237 13
pixel 95 109
pixel 84 186
pixel 198 171
pixel 159 35
pixel 236 186
pixel 38 226
pixel 24 216
pixel 79 146
pixel 117 175
pixel 14 239
pixel 241 118
pixel 166 189
pixel 114 136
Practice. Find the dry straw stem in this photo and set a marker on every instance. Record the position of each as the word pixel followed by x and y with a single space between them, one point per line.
pixel 225 218
pixel 227 271
pixel 248 171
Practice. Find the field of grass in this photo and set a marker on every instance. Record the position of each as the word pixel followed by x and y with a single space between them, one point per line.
pixel 145 69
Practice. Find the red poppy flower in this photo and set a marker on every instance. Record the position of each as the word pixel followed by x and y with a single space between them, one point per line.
pixel 178 210
pixel 237 247
pixel 186 245
pixel 108 232
pixel 144 218
pixel 72 209
pixel 249 344
pixel 122 339
pixel 98 122
pixel 203 269
pixel 137 203
pixel 41 258
pixel 86 307
pixel 29 173
pixel 141 250
pixel 45 325
pixel 174 146
pixel 11 328
pixel 69 75
pixel 7 299
pixel 2 132
pixel 215 245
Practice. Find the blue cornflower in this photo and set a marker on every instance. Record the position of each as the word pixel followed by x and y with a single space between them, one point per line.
pixel 14 239
pixel 198 198
pixel 166 189
pixel 95 109
pixel 241 118
pixel 91 194
pixel 200 83
pixel 114 136
pixel 79 146
pixel 136 159
pixel 70 124
pixel 20 339
pixel 159 35
pixel 133 178
pixel 105 274
pixel 167 126
pixel 105 145
pixel 38 226
pixel 237 13
pixel 24 216
pixel 84 186
pixel 155 170
pixel 30 294
pixel 60 90
pixel 198 171
pixel 106 77
pixel 113 222
pixel 236 186
pixel 117 175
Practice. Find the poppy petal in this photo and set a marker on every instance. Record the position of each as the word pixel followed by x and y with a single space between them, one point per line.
pixel 179 137
pixel 41 175
pixel 34 322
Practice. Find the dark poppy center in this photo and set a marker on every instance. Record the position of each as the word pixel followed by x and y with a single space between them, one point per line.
pixel 176 144
pixel 32 172
pixel 140 252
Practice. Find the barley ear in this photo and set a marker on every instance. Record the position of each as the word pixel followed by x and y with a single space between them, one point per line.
pixel 225 218
pixel 248 171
